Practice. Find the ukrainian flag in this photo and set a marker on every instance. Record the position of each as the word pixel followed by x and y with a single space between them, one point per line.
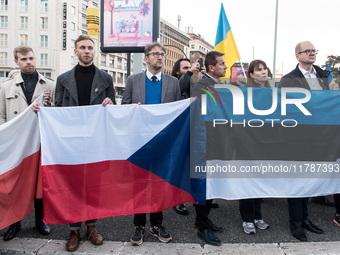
pixel 225 42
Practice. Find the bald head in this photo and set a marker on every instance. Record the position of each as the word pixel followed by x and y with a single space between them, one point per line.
pixel 301 45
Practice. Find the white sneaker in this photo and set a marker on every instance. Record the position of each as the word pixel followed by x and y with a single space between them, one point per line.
pixel 249 228
pixel 260 224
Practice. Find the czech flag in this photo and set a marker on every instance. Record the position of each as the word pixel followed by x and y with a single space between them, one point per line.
pixel 115 160
pixel 225 42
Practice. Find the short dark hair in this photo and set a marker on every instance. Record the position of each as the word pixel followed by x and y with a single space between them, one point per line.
pixel 210 59
pixel 22 49
pixel 82 38
pixel 150 46
pixel 177 66
pixel 254 65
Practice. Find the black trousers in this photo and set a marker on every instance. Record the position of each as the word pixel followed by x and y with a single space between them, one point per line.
pixel 250 209
pixel 337 203
pixel 202 212
pixel 298 211
pixel 155 219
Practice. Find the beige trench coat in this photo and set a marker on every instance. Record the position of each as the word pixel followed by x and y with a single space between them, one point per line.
pixel 13 100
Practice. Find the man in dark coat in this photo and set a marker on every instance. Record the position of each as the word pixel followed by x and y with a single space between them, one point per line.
pixel 85 84
pixel 308 76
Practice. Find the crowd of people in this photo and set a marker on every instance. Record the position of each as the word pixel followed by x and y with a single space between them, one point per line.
pixel 85 85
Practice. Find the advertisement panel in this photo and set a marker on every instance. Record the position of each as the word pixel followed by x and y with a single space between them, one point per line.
pixel 128 25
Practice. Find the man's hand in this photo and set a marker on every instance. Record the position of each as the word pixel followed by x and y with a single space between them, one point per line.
pixel 195 67
pixel 203 70
pixel 36 106
pixel 47 98
pixel 106 101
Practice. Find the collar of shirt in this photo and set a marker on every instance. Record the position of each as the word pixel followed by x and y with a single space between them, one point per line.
pixel 218 81
pixel 149 75
pixel 307 74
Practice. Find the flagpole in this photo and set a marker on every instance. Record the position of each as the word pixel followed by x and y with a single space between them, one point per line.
pixel 244 73
pixel 274 64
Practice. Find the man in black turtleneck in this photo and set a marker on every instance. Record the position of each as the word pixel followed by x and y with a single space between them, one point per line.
pixel 16 95
pixel 85 84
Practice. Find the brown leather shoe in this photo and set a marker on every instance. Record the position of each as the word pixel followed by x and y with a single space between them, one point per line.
pixel 94 235
pixel 73 242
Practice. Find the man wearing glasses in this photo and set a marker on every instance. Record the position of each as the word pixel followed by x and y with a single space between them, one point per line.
pixel 302 76
pixel 151 87
pixel 308 76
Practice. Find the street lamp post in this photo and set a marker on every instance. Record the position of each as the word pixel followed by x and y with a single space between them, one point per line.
pixel 176 48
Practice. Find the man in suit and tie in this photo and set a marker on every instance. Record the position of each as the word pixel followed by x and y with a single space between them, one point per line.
pixel 151 87
pixel 85 84
pixel 216 68
pixel 308 76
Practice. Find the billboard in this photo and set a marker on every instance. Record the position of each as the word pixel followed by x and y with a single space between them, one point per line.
pixel 128 25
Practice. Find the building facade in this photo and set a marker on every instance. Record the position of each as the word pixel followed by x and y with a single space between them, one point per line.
pixel 50 27
pixel 176 43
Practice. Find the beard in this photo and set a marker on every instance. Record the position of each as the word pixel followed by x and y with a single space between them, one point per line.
pixel 85 61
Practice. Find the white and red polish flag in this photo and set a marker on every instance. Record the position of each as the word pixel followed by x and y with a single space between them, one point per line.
pixel 115 160
pixel 19 163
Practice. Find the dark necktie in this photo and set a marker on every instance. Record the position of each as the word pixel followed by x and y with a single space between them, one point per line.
pixel 154 78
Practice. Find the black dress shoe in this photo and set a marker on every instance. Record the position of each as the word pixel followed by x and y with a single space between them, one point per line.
pixel 213 227
pixel 322 200
pixel 42 227
pixel 307 224
pixel 181 209
pixel 298 232
pixel 214 205
pixel 208 236
pixel 11 232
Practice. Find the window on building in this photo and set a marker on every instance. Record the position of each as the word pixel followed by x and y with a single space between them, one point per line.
pixel 72 43
pixel 3 58
pixel 103 59
pixel 44 23
pixel 73 26
pixel 46 74
pixel 44 41
pixel 192 54
pixel 3 21
pixel 23 22
pixel 3 39
pixel 23 39
pixel 84 7
pixel 73 10
pixel 3 74
pixel 44 5
pixel 192 46
pixel 43 59
pixel 3 5
pixel 72 60
pixel 24 6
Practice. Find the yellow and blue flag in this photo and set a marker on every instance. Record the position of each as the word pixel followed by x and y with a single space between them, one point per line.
pixel 225 42
pixel 330 76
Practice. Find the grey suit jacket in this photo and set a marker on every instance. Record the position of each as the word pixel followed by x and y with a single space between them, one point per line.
pixel 135 89
pixel 66 93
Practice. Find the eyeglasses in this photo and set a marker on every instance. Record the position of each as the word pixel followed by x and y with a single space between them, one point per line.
pixel 308 52
pixel 157 54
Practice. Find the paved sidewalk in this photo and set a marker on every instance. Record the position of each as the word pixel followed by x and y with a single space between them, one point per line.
pixel 45 246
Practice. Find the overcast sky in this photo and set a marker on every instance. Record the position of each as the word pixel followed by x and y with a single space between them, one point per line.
pixel 253 25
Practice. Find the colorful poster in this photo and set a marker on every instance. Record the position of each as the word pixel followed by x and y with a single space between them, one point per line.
pixel 127 23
